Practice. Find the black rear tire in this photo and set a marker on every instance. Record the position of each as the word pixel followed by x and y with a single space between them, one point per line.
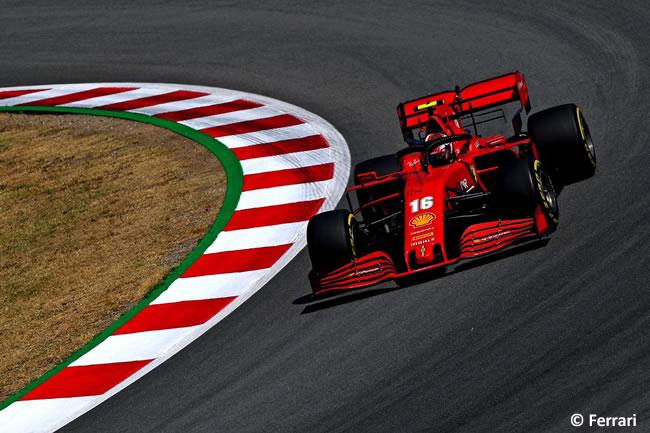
pixel 522 186
pixel 564 143
pixel 330 240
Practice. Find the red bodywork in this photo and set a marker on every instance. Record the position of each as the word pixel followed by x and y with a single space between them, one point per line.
pixel 432 196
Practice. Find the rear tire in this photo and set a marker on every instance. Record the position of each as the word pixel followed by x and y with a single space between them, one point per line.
pixel 564 143
pixel 330 240
pixel 522 186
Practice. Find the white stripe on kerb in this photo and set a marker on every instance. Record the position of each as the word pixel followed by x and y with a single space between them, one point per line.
pixel 42 415
pixel 139 346
pixel 232 117
pixel 286 161
pixel 116 98
pixel 268 136
pixel 185 104
pixel 37 96
pixel 282 194
pixel 209 286
pixel 258 237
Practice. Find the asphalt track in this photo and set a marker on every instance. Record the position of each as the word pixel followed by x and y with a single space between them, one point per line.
pixel 517 344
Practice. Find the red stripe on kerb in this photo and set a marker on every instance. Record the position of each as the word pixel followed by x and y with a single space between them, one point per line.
pixel 13 93
pixel 236 261
pixel 79 96
pixel 148 101
pixel 210 110
pixel 272 215
pixel 315 173
pixel 174 315
pixel 85 380
pixel 280 147
pixel 280 121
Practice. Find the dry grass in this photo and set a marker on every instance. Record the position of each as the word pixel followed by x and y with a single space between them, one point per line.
pixel 93 213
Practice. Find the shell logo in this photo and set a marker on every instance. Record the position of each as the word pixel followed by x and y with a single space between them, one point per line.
pixel 422 220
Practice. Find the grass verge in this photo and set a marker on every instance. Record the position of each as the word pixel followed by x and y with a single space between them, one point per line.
pixel 83 199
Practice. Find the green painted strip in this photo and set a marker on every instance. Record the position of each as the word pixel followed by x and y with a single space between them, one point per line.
pixel 235 179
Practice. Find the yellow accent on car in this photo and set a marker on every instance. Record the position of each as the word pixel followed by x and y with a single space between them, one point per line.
pixel 423 236
pixel 472 169
pixel 430 104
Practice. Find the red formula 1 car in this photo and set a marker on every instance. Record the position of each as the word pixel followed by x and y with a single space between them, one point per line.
pixel 452 194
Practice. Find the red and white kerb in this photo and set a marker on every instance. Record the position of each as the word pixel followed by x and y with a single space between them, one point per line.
pixel 295 165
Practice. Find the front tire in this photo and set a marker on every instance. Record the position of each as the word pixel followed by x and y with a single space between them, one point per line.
pixel 522 186
pixel 330 240
pixel 564 143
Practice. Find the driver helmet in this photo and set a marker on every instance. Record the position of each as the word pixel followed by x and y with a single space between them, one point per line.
pixel 443 151
pixel 431 137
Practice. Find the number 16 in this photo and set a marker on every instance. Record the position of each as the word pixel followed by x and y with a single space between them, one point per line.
pixel 422 204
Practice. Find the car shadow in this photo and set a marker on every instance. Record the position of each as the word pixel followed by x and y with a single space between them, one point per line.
pixel 341 297
pixel 329 300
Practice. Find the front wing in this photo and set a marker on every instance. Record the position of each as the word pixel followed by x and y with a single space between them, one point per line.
pixel 376 267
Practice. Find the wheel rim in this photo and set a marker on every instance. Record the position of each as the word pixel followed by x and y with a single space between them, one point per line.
pixel 548 191
pixel 586 136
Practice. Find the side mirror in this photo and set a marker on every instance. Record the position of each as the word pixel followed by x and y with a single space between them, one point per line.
pixel 413 142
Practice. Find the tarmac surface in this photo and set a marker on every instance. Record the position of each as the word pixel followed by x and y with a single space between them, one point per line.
pixel 516 343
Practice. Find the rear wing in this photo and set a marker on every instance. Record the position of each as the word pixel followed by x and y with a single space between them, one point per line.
pixel 475 97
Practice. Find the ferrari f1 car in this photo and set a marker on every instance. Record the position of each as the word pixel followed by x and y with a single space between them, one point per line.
pixel 452 194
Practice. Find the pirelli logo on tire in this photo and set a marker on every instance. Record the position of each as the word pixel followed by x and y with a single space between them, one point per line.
pixel 540 187
pixel 351 234
pixel 549 208
pixel 586 138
